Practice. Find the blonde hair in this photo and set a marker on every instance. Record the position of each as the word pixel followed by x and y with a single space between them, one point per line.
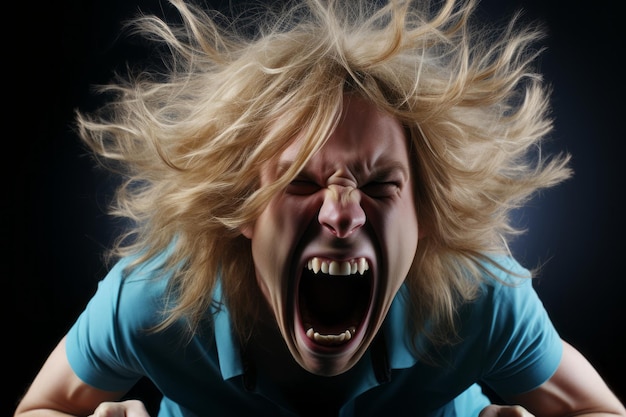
pixel 190 140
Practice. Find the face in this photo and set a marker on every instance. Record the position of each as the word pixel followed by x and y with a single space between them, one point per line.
pixel 331 252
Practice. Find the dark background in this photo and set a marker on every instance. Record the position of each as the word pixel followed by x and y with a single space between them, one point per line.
pixel 56 205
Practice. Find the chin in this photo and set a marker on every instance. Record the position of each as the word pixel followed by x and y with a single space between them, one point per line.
pixel 327 360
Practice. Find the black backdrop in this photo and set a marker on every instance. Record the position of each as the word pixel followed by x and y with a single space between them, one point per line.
pixel 55 210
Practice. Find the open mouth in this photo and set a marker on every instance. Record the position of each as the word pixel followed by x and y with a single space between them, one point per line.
pixel 334 297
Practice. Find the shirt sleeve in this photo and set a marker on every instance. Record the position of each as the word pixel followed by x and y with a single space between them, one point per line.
pixel 523 349
pixel 101 344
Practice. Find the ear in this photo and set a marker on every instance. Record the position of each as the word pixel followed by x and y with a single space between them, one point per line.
pixel 247 230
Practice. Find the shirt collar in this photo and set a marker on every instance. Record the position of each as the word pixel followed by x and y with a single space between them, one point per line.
pixel 396 337
pixel 228 348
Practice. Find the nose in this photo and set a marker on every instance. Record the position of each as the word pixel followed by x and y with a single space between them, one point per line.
pixel 341 212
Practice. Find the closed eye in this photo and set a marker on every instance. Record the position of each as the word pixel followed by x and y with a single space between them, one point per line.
pixel 302 187
pixel 378 189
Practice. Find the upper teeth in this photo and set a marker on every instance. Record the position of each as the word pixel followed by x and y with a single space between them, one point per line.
pixel 350 267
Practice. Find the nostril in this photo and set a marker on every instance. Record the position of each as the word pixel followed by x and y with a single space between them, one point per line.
pixel 342 228
pixel 341 212
pixel 329 227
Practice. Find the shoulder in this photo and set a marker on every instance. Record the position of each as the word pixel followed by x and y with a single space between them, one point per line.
pixel 130 296
pixel 506 296
pixel 105 344
pixel 505 284
pixel 518 342
pixel 505 269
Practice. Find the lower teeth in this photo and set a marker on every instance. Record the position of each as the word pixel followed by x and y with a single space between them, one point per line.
pixel 331 339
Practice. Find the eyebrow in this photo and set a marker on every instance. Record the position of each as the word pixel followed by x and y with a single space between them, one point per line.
pixel 384 170
pixel 283 166
pixel 388 169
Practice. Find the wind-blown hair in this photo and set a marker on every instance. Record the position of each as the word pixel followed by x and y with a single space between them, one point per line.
pixel 190 141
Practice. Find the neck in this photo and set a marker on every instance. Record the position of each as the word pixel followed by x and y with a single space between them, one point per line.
pixel 276 369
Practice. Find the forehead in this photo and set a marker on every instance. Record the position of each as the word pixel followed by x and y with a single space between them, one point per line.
pixel 365 138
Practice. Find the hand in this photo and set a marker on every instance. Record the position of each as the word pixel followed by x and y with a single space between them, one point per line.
pixel 128 408
pixel 505 411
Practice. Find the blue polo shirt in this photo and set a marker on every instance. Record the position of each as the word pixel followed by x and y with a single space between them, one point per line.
pixel 506 341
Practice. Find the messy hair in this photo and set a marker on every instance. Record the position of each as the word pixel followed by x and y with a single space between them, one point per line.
pixel 189 140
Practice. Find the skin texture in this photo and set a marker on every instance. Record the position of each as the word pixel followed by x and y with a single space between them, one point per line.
pixel 575 389
pixel 353 199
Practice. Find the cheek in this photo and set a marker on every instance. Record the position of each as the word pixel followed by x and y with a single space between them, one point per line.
pixel 400 231
pixel 275 234
pixel 266 242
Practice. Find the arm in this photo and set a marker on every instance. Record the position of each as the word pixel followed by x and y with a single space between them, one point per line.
pixel 57 391
pixel 576 389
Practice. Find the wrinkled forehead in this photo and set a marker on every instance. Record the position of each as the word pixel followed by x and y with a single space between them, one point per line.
pixel 361 134
pixel 292 158
pixel 297 136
